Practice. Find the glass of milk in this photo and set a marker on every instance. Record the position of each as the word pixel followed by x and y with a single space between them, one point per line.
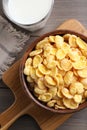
pixel 29 14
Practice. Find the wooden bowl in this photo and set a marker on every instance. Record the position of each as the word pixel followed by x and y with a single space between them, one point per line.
pixel 24 82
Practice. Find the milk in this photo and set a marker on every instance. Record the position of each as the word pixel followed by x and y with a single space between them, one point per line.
pixel 28 11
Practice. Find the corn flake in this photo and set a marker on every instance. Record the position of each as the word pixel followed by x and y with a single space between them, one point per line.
pixel 53 91
pixel 41 84
pixel 36 61
pixel 43 69
pixel 59 107
pixel 29 79
pixel 33 73
pixel 65 48
pixel 52 64
pixel 38 73
pixel 79 87
pixel 74 55
pixel 42 43
pixel 81 43
pixel 27 70
pixel 28 62
pixel 68 77
pixel 80 64
pixel 66 64
pixel 45 97
pixel 39 91
pixel 52 38
pixel 51 103
pixel 77 98
pixel 35 52
pixel 84 82
pixel 60 54
pixel 70 103
pixel 82 73
pixel 72 41
pixel 59 94
pixel 66 37
pixel 66 93
pixel 50 80
pixel 59 41
pixel 73 89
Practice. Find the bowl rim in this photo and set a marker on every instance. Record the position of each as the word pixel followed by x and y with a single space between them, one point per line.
pixel 22 79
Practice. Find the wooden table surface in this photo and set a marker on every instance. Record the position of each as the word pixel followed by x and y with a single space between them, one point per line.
pixel 63 10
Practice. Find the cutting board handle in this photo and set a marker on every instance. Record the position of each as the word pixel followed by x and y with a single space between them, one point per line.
pixel 15 111
pixel 8 117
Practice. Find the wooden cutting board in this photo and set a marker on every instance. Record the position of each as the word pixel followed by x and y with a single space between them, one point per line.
pixel 23 105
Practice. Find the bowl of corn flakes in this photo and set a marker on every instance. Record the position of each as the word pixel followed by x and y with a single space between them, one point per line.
pixel 53 71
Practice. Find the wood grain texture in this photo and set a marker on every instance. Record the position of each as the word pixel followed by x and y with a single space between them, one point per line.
pixel 23 105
